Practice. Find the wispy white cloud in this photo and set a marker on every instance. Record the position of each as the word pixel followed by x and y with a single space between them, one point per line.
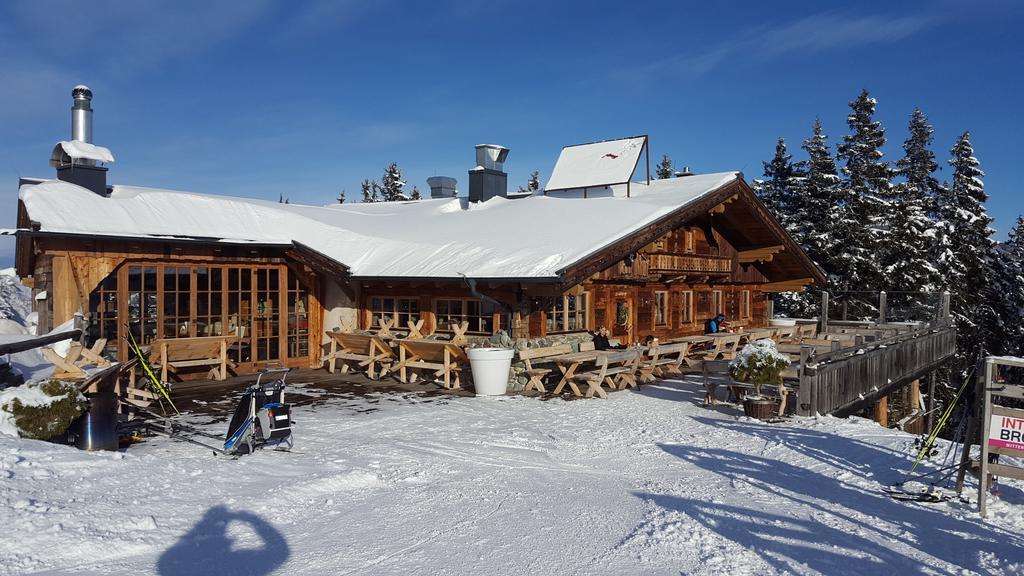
pixel 815 33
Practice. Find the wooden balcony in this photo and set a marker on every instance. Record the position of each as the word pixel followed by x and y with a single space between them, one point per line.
pixel 652 266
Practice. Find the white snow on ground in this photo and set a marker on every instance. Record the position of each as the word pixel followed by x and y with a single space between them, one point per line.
pixel 646 482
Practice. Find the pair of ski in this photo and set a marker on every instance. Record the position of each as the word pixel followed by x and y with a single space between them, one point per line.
pixel 157 385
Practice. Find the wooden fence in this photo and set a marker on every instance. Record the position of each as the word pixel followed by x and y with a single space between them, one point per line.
pixel 841 380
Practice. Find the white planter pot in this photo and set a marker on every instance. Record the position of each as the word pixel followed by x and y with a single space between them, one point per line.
pixel 782 322
pixel 490 369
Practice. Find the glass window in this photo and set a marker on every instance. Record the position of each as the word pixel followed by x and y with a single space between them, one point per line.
pixel 661 308
pixel 745 304
pixel 686 307
pixel 568 314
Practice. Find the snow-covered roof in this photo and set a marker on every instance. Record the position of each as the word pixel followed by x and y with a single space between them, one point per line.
pixel 534 237
pixel 596 164
pixel 81 151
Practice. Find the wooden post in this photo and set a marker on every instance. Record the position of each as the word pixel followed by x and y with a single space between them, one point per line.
pixel 882 411
pixel 771 309
pixel 806 391
pixel 986 411
pixel 824 313
pixel 943 310
pixel 915 395
pixel 930 417
pixel 881 307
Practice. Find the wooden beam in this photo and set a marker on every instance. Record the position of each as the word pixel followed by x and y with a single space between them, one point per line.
pixel 720 208
pixel 760 254
pixel 882 411
pixel 796 285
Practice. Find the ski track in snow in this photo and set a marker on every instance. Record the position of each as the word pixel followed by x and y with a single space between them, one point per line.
pixel 646 482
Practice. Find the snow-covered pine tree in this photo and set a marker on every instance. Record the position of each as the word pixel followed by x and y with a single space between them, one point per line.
pixel 341 197
pixel 811 224
pixel 664 168
pixel 415 195
pixel 864 194
pixel 908 252
pixel 778 189
pixel 391 184
pixel 1007 293
pixel 965 248
pixel 371 191
pixel 533 184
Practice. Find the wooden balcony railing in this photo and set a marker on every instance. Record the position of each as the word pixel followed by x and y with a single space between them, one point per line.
pixel 671 263
pixel 650 266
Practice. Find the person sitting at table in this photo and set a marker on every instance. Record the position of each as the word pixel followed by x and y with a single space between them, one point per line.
pixel 650 340
pixel 716 324
pixel 601 340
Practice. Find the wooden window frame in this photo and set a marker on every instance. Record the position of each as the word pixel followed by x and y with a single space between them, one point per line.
pixel 666 320
pixel 717 303
pixel 475 320
pixel 582 314
pixel 689 242
pixel 396 312
pixel 744 305
pixel 686 310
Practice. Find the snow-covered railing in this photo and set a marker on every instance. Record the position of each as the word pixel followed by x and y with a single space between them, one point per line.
pixel 842 380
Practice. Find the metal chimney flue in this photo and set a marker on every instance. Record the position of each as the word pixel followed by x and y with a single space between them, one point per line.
pixel 79 161
pixel 442 187
pixel 488 178
pixel 81 114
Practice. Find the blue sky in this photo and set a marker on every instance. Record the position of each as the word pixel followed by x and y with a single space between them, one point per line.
pixel 261 98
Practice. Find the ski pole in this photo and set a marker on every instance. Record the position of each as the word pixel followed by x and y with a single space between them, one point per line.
pixel 942 423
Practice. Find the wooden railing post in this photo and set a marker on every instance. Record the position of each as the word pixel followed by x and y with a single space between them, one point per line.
pixel 881 307
pixel 824 313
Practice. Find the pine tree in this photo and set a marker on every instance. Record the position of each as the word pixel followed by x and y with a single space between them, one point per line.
pixel 533 184
pixel 964 249
pixel 392 185
pixel 371 191
pixel 865 192
pixel 811 224
pixel 341 197
pixel 908 251
pixel 1007 293
pixel 415 194
pixel 778 189
pixel 664 169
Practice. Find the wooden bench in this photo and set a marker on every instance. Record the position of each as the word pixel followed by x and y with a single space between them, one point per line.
pixel 806 331
pixel 614 369
pixel 666 358
pixel 716 373
pixel 723 347
pixel 536 375
pixel 784 334
pixel 70 367
pixel 174 354
pixel 443 360
pixel 366 350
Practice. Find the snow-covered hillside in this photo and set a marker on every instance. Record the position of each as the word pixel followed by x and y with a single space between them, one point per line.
pixel 645 482
pixel 15 303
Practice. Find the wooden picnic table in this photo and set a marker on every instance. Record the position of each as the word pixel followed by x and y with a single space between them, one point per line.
pixel 568 364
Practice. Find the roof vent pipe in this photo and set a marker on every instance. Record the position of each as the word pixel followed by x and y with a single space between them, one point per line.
pixel 488 178
pixel 442 187
pixel 81 114
pixel 684 172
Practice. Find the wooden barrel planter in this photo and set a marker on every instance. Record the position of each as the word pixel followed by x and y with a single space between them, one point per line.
pixel 761 408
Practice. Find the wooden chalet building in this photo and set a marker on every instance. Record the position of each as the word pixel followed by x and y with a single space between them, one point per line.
pixel 595 248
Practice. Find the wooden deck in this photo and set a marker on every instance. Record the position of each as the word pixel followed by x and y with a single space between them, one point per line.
pixel 306 387
pixel 843 381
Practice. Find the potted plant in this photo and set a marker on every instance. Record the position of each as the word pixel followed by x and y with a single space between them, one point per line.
pixel 759 363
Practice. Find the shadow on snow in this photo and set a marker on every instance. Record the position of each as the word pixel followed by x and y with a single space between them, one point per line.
pixel 208 548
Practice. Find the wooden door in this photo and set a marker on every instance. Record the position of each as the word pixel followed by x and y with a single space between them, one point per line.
pixel 622 316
